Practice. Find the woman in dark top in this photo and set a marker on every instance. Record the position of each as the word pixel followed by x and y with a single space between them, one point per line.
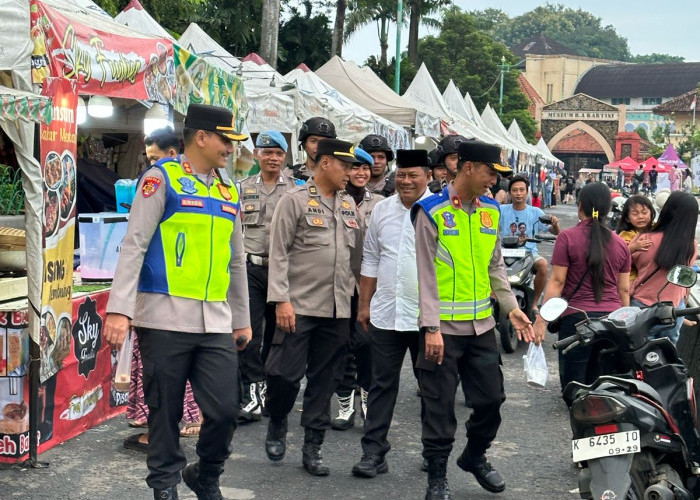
pixel 590 269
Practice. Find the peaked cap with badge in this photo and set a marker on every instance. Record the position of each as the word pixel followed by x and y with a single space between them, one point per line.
pixel 213 119
pixel 483 152
pixel 342 150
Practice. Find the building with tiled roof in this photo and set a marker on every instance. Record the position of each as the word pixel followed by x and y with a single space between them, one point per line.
pixel 535 99
pixel 678 113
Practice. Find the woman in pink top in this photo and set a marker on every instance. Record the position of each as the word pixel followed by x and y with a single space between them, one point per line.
pixel 590 268
pixel 672 243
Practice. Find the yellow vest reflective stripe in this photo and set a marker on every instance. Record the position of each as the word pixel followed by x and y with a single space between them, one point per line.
pixel 190 251
pixel 464 250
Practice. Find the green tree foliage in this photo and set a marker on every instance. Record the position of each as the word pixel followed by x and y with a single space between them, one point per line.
pixel 382 12
pixel 419 12
pixel 642 132
pixel 472 59
pixel 304 38
pixel 656 58
pixel 388 73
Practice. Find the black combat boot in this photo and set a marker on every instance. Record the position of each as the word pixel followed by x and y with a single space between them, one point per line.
pixel 438 489
pixel 485 474
pixel 166 494
pixel 203 479
pixel 311 452
pixel 276 440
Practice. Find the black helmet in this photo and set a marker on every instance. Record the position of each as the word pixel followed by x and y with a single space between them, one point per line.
pixel 436 158
pixel 374 142
pixel 317 126
pixel 450 145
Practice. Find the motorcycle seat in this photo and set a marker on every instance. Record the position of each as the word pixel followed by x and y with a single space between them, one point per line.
pixel 608 382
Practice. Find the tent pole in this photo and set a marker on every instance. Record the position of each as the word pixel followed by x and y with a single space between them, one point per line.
pixel 397 61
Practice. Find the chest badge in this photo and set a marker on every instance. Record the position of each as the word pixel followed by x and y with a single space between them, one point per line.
pixel 317 221
pixel 486 219
pixel 449 219
pixel 187 185
pixel 345 204
pixel 225 193
pixel 312 203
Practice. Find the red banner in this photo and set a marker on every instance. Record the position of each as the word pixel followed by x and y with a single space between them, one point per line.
pixel 115 62
pixel 58 151
pixel 80 396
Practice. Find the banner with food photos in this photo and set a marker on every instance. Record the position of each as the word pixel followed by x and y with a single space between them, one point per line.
pixel 58 151
pixel 106 59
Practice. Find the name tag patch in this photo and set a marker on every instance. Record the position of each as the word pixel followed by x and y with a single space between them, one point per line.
pixel 450 232
pixel 229 209
pixel 189 202
pixel 486 230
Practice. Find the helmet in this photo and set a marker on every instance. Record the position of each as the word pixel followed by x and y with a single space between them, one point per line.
pixel 436 158
pixel 374 142
pixel 450 145
pixel 317 126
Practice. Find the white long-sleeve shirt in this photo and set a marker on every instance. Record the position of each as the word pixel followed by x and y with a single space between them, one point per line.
pixel 390 256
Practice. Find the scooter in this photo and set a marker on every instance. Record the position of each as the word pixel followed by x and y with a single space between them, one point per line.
pixel 616 209
pixel 519 263
pixel 635 427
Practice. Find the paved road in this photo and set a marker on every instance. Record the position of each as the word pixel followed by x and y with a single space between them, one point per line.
pixel 531 451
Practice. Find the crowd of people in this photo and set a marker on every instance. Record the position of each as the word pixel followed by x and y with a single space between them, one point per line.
pixel 334 269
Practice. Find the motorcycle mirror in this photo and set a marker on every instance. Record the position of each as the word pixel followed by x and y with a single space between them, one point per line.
pixel 553 308
pixel 546 219
pixel 510 242
pixel 682 276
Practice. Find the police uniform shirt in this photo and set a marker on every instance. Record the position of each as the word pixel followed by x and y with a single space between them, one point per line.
pixel 369 200
pixel 258 203
pixel 315 246
pixel 166 312
pixel 429 301
pixel 379 185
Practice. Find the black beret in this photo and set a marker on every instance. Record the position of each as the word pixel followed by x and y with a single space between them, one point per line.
pixel 406 158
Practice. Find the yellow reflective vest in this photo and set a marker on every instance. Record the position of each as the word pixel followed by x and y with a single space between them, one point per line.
pixel 190 251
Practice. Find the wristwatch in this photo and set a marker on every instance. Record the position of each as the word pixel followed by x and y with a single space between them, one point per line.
pixel 432 329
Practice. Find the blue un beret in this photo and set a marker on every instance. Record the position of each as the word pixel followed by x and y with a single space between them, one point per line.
pixel 363 156
pixel 271 139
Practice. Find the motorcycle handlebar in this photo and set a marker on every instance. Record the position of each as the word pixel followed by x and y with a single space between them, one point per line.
pixel 563 343
pixel 689 311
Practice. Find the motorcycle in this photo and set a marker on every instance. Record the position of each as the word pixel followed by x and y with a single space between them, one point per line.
pixel 618 202
pixel 519 263
pixel 635 428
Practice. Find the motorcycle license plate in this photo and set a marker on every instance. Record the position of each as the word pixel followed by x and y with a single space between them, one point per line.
pixel 513 252
pixel 605 445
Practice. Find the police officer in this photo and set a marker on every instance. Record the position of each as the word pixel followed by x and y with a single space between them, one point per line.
pixel 459 266
pixel 259 196
pixel 449 146
pixel 312 130
pixel 358 365
pixel 438 169
pixel 315 244
pixel 169 285
pixel 381 181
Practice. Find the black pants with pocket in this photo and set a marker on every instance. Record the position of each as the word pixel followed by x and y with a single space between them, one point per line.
pixel 316 349
pixel 262 322
pixel 358 360
pixel 478 359
pixel 210 362
pixel 388 352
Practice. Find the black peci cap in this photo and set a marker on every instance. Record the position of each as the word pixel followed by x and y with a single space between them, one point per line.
pixel 407 158
pixel 213 119
pixel 342 150
pixel 483 152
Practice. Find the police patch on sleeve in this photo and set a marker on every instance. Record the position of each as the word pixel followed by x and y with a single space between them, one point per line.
pixel 150 186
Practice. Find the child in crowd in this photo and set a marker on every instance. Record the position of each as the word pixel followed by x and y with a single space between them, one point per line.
pixel 536 202
pixel 637 217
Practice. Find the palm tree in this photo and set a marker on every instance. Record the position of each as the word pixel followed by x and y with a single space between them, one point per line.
pixel 270 31
pixel 382 12
pixel 338 28
pixel 419 10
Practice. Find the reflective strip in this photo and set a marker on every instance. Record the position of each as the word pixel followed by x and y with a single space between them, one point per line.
pixel 444 256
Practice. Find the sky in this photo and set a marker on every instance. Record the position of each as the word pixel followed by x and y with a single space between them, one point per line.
pixel 647 25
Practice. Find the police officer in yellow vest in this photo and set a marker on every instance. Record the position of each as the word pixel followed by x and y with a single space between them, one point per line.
pixel 459 260
pixel 181 282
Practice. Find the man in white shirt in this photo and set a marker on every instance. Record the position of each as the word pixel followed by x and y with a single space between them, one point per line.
pixel 388 303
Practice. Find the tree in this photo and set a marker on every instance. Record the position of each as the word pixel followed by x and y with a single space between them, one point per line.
pixel 169 14
pixel 419 12
pixel 304 39
pixel 656 58
pixel 339 28
pixel 642 132
pixel 383 12
pixel 472 59
pixel 490 20
pixel 269 34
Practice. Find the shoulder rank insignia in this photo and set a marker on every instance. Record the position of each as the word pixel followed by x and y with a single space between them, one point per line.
pixel 313 191
pixel 225 193
pixel 312 203
pixel 150 186
pixel 187 185
pixel 345 204
pixel 187 168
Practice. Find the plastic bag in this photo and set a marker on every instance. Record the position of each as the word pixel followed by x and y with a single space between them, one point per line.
pixel 536 366
pixel 122 376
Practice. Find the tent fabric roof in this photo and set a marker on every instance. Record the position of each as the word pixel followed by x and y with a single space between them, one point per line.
pixel 542 146
pixel 541 44
pixel 670 157
pixel 196 40
pixel 137 18
pixel 639 80
pixel 493 123
pixel 454 101
pixel 426 95
pixel 367 90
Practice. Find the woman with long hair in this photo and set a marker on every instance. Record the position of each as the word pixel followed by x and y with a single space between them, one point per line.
pixel 672 242
pixel 590 269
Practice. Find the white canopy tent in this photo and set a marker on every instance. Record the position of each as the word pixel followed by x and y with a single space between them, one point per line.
pixel 365 88
pixel 352 120
pixel 542 146
pixel 493 123
pixel 135 17
pixel 517 134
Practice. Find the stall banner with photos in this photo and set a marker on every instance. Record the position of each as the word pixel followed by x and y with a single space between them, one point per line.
pixel 80 396
pixel 115 61
pixel 58 151
pixel 199 82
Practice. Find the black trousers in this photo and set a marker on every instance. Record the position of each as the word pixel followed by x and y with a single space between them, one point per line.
pixel 358 361
pixel 478 359
pixel 210 362
pixel 388 351
pixel 316 349
pixel 262 322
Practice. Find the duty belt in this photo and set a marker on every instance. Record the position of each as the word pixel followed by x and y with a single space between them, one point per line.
pixel 258 260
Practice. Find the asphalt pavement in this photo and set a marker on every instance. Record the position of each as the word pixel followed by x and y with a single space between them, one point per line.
pixel 532 451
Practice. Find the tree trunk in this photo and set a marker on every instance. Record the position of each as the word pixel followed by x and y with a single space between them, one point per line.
pixel 384 43
pixel 269 31
pixel 413 32
pixel 338 29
